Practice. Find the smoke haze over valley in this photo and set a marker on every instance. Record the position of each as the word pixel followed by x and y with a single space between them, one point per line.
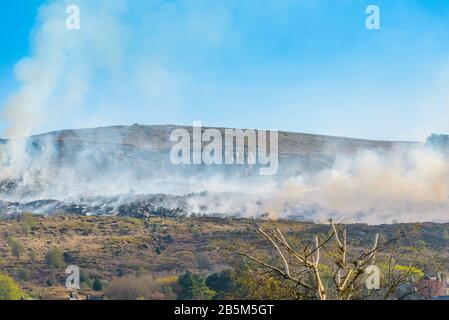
pixel 127 170
pixel 162 62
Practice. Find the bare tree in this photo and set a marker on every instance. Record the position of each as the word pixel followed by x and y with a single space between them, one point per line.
pixel 306 268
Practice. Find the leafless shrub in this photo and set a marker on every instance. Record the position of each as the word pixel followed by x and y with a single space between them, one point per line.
pixel 133 287
pixel 326 270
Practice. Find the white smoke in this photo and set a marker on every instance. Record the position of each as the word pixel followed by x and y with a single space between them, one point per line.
pixel 55 80
pixel 117 61
pixel 58 75
pixel 57 85
pixel 406 185
pixel 402 186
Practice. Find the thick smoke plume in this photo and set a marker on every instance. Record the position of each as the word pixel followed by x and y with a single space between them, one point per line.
pixel 403 186
pixel 55 80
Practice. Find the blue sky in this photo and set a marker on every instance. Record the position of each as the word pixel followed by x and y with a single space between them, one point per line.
pixel 303 65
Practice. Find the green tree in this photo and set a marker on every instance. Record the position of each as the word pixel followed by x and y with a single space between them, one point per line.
pixel 9 290
pixel 221 283
pixel 27 223
pixel 54 258
pixel 29 219
pixel 16 247
pixel 25 227
pixel 97 285
pixel 22 274
pixel 193 287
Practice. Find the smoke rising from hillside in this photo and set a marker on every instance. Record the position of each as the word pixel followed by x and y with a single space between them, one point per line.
pixel 399 186
pixel 55 80
pixel 56 90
